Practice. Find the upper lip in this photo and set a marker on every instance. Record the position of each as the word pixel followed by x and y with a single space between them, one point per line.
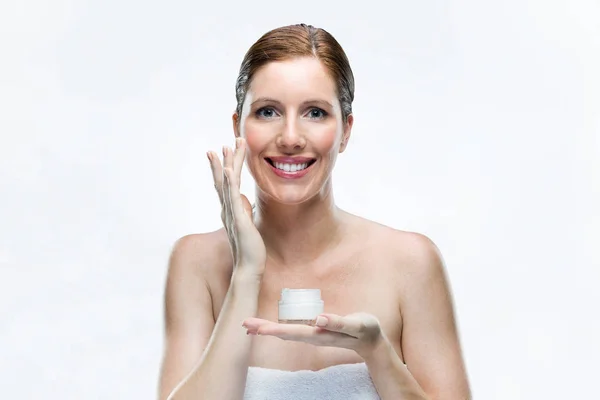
pixel 291 160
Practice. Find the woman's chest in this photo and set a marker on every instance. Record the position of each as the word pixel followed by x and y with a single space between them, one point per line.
pixel 345 289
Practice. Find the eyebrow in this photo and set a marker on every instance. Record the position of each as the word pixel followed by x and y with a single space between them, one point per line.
pixel 271 100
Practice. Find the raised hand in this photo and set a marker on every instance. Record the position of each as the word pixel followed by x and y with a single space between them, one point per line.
pixel 247 246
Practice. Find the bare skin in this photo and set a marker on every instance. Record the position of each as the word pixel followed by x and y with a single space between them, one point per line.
pixel 369 271
pixel 219 280
pixel 352 277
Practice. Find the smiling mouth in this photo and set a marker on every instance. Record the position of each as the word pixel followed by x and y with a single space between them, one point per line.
pixel 290 168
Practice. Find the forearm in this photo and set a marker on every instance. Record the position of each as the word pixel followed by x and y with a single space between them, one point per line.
pixel 222 371
pixel 391 377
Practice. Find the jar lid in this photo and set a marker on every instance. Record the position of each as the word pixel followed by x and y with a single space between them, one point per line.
pixel 300 295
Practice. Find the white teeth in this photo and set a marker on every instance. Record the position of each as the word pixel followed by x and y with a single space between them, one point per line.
pixel 290 167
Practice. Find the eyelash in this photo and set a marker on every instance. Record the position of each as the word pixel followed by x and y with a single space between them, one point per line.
pixel 323 112
pixel 259 112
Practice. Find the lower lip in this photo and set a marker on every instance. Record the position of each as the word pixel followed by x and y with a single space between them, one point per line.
pixel 290 174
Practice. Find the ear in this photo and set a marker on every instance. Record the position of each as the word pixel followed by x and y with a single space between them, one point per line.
pixel 235 118
pixel 347 132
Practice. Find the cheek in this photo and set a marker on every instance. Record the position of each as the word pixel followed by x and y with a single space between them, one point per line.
pixel 327 140
pixel 256 139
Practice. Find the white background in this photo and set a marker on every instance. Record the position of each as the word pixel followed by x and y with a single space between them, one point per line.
pixel 477 124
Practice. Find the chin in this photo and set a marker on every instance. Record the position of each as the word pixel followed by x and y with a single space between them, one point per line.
pixel 288 192
pixel 289 197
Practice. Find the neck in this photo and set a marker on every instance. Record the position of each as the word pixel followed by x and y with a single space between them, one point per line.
pixel 298 234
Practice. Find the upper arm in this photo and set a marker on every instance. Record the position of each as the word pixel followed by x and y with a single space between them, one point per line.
pixel 188 317
pixel 430 341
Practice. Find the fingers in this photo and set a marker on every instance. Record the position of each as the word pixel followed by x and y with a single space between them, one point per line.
pixel 234 160
pixel 234 197
pixel 217 172
pixel 228 157
pixel 227 182
pixel 226 186
pixel 336 323
pixel 356 325
pixel 233 166
pixel 240 154
pixel 259 326
pixel 253 324
pixel 238 163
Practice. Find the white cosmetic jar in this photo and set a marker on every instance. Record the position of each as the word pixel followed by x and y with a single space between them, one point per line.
pixel 300 306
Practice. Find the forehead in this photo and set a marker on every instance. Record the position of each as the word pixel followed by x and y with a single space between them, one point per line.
pixel 294 79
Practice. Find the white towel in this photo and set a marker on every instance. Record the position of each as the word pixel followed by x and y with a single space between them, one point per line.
pixel 339 382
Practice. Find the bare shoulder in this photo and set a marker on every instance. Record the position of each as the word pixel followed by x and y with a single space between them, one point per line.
pixel 414 248
pixel 429 339
pixel 198 264
pixel 412 254
pixel 201 253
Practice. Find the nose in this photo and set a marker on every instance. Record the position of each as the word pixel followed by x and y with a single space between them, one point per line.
pixel 291 139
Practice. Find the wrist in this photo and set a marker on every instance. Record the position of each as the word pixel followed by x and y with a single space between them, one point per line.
pixel 245 277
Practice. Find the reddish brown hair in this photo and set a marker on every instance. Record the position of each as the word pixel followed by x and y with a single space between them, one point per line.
pixel 298 41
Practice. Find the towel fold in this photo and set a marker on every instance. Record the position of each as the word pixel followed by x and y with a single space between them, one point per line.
pixel 339 382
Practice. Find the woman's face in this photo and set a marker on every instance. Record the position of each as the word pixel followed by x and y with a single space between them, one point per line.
pixel 292 122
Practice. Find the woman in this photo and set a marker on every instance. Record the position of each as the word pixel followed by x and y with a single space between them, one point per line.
pixel 388 303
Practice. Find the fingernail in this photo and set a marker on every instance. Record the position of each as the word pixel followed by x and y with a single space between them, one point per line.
pixel 321 321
